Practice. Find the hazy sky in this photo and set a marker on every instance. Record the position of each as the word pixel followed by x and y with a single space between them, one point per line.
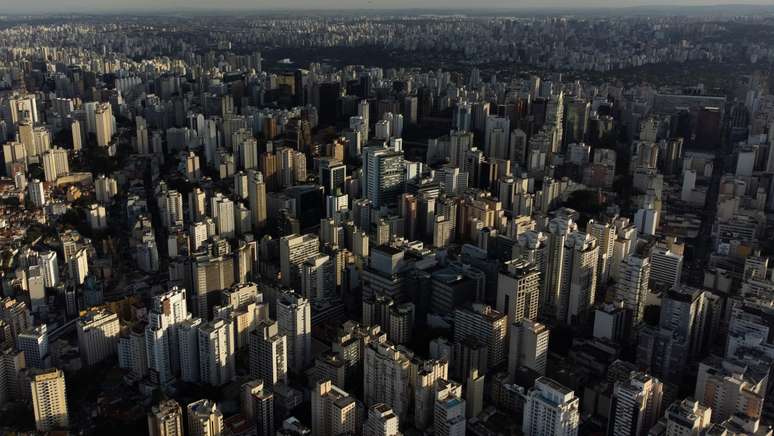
pixel 16 6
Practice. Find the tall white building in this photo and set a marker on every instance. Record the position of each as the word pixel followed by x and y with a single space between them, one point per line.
pixel 528 347
pixel 268 353
pixel 171 208
pixel 104 123
pixel 55 164
pixel 47 260
pixel 449 410
pixel 256 194
pixel 666 264
pixel 384 175
pixel 217 348
pixel 381 421
pixel 687 417
pixel 222 211
pixel 257 405
pixel 426 376
pixel 204 418
pixel 188 344
pixel 294 250
pixel 105 188
pixel 294 318
pixel 98 331
pixel 166 419
pixel 635 405
pixel 386 376
pixel 334 411
pixel 33 343
pixel 518 291
pixel 37 192
pixel 132 352
pixel 49 400
pixel 551 409
pixel 632 285
pixel 167 311
pixel 485 324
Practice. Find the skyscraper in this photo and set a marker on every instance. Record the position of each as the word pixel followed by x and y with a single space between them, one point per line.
pixel 383 174
pixel 485 324
pixel 528 346
pixel 449 410
pixel 204 418
pixel 687 417
pixel 386 374
pixel 217 348
pixel 294 250
pixel 98 330
pixel 635 405
pixel 268 353
pixel 334 411
pixel 258 406
pixel 33 343
pixel 518 291
pixel 161 340
pixel 381 421
pixel 632 285
pixel 49 400
pixel 256 194
pixel 294 318
pixel 166 419
pixel 551 409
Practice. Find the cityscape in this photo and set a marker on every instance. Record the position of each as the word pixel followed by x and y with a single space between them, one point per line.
pixel 419 222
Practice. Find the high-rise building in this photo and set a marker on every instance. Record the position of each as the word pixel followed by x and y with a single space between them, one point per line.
pixel 518 291
pixel 635 405
pixel 217 348
pixel 485 324
pixel 386 375
pixel 49 400
pixel 551 409
pixel 98 331
pixel 55 164
pixel 104 124
pixel 188 342
pixel 427 374
pixel 334 411
pixel 687 418
pixel 15 316
pixel 528 347
pixel 689 316
pixel 33 343
pixel 210 276
pixel 105 188
pixel 166 419
pixel 37 192
pixel 294 318
pixel 258 406
pixel 204 418
pixel 383 175
pixel 167 311
pixel 732 386
pixel 197 205
pixel 222 211
pixel 171 208
pixel 268 353
pixel 449 409
pixel 381 421
pixel 666 264
pixel 294 250
pixel 132 351
pixel 632 285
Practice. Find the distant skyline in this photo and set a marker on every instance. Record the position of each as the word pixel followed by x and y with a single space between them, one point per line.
pixel 102 6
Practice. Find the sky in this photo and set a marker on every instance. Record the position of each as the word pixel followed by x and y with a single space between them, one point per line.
pixel 103 6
